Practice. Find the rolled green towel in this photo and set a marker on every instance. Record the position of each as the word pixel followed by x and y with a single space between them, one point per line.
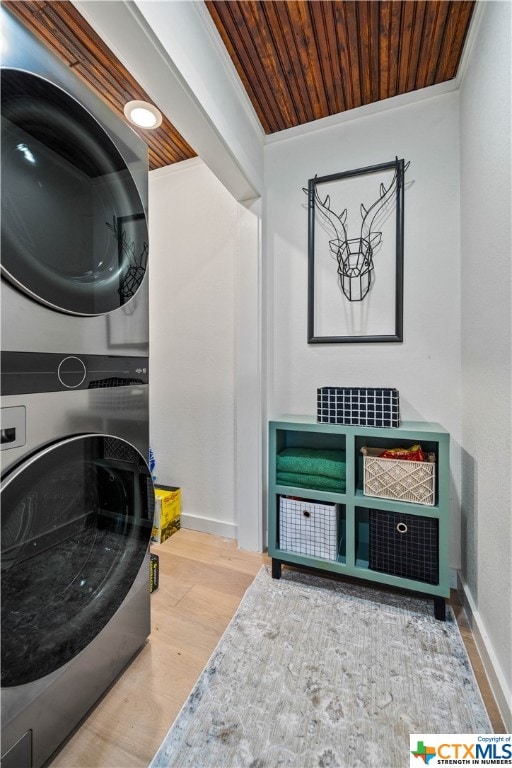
pixel 312 461
pixel 315 482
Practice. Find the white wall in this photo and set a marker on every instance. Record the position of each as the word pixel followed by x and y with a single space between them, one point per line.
pixel 193 241
pixel 486 344
pixel 426 366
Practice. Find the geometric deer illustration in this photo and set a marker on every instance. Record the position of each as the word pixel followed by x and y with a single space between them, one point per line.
pixel 355 255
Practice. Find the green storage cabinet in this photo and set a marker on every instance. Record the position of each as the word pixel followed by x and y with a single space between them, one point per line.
pixel 358 513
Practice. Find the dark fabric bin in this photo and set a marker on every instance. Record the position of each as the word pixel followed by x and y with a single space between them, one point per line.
pixel 404 545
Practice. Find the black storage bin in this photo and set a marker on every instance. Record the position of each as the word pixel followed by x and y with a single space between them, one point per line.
pixel 360 406
pixel 404 545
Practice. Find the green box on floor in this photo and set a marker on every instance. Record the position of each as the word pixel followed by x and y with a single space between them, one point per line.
pixel 167 519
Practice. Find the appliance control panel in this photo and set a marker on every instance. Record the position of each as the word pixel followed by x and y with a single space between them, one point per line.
pixel 29 372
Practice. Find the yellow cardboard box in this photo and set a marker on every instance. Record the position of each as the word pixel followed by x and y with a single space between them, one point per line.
pixel 167 512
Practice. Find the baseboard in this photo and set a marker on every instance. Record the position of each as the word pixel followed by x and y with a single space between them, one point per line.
pixel 490 662
pixel 207 525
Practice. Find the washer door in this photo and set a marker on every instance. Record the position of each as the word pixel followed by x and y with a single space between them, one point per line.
pixel 76 525
pixel 74 233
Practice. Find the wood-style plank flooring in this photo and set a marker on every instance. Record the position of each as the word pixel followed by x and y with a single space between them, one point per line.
pixel 202 581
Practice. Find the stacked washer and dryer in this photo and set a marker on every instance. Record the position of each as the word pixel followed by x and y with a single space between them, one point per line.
pixel 76 495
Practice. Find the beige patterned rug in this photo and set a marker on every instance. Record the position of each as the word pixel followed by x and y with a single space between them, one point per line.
pixel 315 672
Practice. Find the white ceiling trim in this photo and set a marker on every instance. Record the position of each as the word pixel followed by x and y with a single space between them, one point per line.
pixel 366 110
pixel 470 42
pixel 183 165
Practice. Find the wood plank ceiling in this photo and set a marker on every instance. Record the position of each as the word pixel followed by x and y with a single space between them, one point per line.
pixel 298 61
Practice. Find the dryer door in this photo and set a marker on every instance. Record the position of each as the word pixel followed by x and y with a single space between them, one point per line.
pixel 74 233
pixel 76 525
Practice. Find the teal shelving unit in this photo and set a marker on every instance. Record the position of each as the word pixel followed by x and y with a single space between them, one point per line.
pixel 354 506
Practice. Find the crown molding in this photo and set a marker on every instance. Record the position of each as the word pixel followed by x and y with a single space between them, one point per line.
pixel 367 110
pixel 471 38
pixel 183 165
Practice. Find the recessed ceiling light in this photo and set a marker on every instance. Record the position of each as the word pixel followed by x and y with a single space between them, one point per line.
pixel 143 114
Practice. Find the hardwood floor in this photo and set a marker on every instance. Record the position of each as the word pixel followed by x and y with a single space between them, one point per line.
pixel 498 725
pixel 202 581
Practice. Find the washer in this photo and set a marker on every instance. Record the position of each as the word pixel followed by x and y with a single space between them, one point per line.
pixel 74 205
pixel 77 509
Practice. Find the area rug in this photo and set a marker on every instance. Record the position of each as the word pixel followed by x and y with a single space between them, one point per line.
pixel 316 672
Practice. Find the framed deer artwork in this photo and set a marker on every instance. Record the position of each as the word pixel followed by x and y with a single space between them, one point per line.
pixel 355 255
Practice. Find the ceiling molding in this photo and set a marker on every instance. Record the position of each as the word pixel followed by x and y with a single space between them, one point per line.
pixel 184 165
pixel 367 110
pixel 470 41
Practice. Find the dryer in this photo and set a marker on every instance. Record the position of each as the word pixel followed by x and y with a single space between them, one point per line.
pixel 77 508
pixel 74 205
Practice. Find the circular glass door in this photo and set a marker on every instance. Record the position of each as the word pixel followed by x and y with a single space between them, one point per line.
pixel 76 525
pixel 74 233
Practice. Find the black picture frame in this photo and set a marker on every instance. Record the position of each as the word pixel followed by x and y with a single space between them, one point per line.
pixel 342 191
